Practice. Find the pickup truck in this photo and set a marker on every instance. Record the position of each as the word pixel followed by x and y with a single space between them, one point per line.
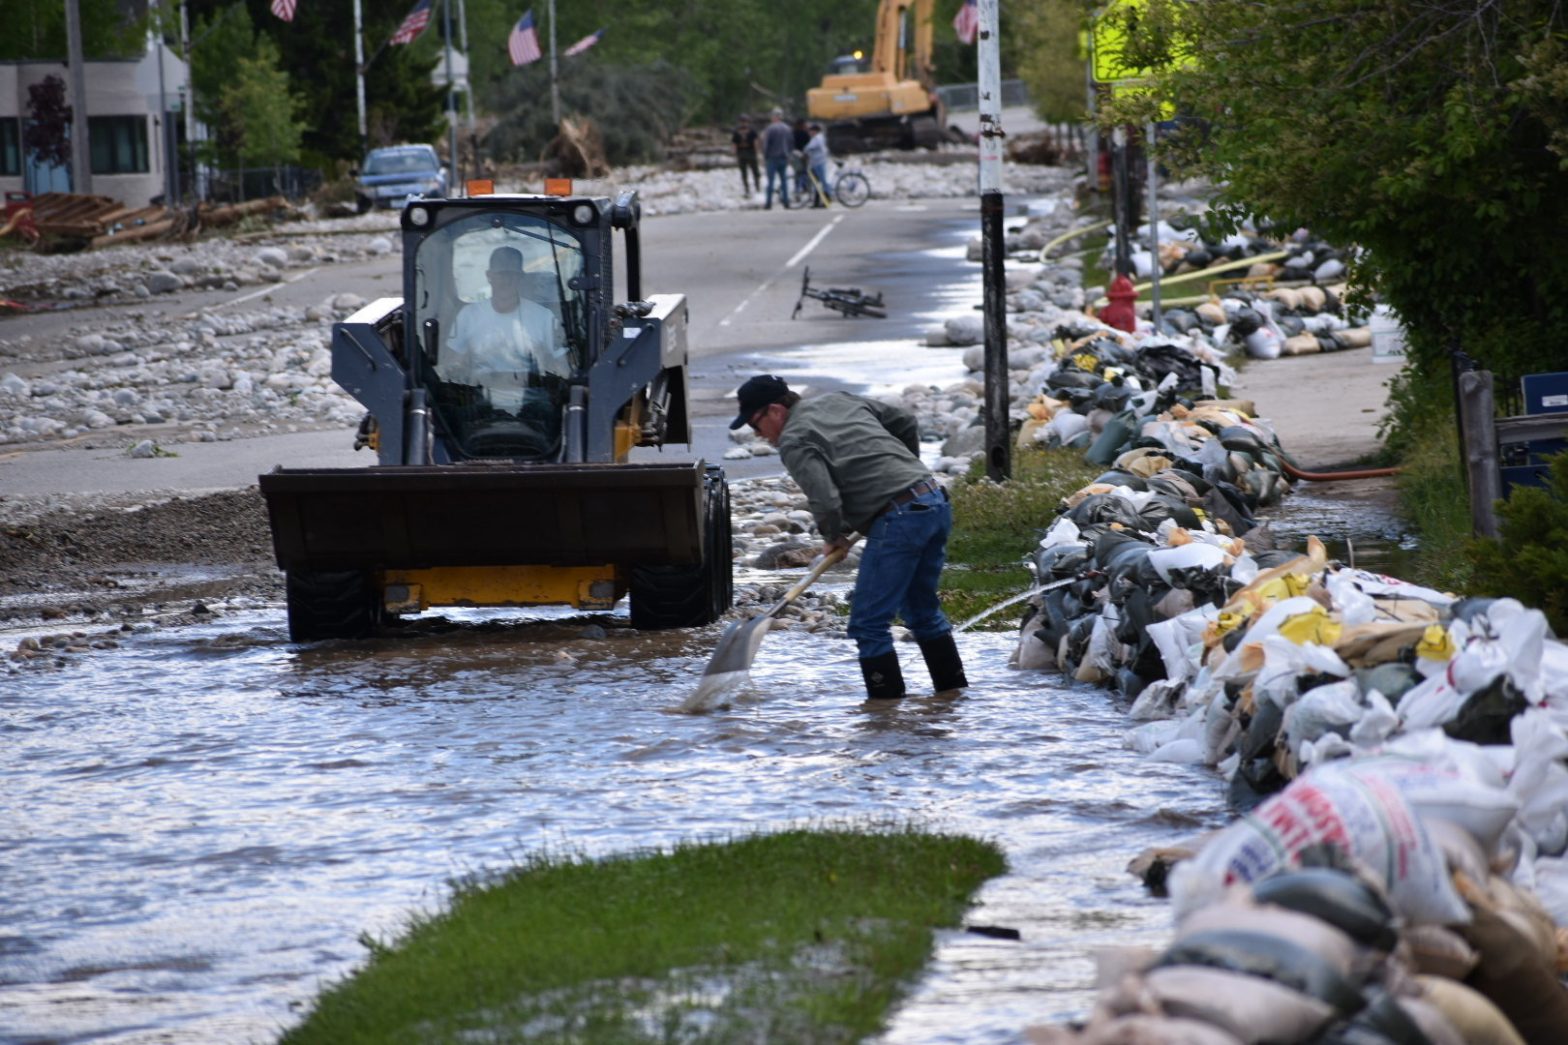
pixel 393 174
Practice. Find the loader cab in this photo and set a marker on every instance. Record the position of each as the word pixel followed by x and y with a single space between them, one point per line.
pixel 501 321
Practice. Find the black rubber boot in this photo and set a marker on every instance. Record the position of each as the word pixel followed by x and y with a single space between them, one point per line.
pixel 944 663
pixel 884 678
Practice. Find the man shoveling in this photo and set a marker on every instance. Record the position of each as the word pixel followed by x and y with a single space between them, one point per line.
pixel 857 460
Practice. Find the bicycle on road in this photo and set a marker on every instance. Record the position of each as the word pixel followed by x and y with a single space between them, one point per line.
pixel 850 187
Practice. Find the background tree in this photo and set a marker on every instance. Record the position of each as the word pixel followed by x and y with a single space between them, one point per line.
pixel 1430 132
pixel 36 29
pixel 1048 56
pixel 222 41
pixel 659 93
pixel 259 105
pixel 47 134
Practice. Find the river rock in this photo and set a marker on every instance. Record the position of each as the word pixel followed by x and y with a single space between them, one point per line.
pixel 272 257
pixel 965 330
pixel 162 281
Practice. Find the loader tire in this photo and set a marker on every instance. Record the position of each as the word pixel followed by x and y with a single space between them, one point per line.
pixel 689 596
pixel 337 604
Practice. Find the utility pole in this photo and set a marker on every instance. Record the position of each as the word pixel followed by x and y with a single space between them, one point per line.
pixel 81 146
pixel 451 99
pixel 998 427
pixel 555 91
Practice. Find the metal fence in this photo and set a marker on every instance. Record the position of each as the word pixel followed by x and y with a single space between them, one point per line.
pixel 960 97
pixel 235 185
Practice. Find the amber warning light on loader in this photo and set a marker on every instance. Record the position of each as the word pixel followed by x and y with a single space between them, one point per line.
pixel 558 186
pixel 480 186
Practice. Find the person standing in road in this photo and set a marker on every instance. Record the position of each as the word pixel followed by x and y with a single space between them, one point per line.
pixel 802 135
pixel 745 139
pixel 857 460
pixel 777 144
pixel 817 162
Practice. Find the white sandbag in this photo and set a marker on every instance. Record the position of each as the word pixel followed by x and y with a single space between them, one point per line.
pixel 1331 708
pixel 1063 531
pixel 1237 912
pixel 1361 816
pixel 1179 641
pixel 1550 885
pixel 1540 780
pixel 1285 662
pixel 1067 425
pixel 1150 1030
pixel 1377 724
pixel 1157 700
pixel 1380 585
pixel 1183 750
pixel 1186 557
pixel 1253 1009
pixel 1354 605
pixel 1263 343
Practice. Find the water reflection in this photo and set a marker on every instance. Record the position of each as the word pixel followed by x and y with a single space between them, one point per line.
pixel 200 824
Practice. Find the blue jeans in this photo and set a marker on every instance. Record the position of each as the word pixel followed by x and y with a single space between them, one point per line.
pixel 778 169
pixel 820 172
pixel 905 551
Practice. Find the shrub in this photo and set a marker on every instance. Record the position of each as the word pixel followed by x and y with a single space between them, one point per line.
pixel 1529 560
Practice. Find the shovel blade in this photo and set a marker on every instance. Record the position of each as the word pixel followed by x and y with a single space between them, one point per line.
pixel 737 647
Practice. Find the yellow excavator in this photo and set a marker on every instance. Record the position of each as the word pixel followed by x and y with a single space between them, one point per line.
pixel 891 104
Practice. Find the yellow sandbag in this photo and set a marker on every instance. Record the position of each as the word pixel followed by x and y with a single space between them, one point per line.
pixel 1312 298
pixel 1356 337
pixel 1316 625
pixel 1026 432
pixel 1300 345
pixel 1212 313
pixel 1477 1020
pixel 1262 270
pixel 1245 407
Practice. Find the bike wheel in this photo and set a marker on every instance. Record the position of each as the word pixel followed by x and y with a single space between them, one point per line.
pixel 852 189
pixel 798 199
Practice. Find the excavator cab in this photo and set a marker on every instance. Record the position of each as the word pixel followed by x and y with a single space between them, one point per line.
pixel 505 390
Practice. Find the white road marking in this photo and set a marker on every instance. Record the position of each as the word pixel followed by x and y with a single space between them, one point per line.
pixel 268 289
pixel 800 255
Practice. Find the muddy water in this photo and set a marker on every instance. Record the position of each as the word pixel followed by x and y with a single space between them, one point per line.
pixel 199 825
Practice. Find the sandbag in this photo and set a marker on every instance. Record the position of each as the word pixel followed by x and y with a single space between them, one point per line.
pixel 1254 1010
pixel 1358 818
pixel 1342 900
pixel 1477 1020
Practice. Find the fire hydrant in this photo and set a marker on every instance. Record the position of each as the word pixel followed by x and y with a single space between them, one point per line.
pixel 1119 313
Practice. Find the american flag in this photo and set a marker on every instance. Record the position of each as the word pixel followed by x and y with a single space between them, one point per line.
pixel 523 43
pixel 966 23
pixel 284 9
pixel 586 42
pixel 412 26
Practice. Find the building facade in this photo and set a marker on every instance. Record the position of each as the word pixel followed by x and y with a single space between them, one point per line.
pixel 134 110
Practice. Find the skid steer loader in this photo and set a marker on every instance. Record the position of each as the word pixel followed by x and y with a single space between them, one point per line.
pixel 505 390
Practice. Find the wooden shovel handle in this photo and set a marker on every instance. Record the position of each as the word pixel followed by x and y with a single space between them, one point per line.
pixel 818 566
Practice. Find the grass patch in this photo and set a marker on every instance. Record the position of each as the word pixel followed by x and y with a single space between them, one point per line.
pixel 1434 501
pixel 800 936
pixel 996 525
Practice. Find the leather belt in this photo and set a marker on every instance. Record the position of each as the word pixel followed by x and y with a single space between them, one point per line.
pixel 920 489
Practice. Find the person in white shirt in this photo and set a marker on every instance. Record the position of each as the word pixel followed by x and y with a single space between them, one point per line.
pixel 501 343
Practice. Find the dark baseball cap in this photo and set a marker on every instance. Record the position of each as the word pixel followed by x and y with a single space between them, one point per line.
pixel 757 393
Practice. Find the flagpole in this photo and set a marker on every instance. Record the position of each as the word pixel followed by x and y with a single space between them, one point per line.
pixel 555 91
pixel 468 83
pixel 359 74
pixel 451 97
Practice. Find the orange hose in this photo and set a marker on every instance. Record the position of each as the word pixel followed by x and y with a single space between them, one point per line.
pixel 1329 477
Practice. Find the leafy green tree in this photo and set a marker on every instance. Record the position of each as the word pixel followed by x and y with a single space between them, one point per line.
pixel 219 43
pixel 1048 57
pixel 1430 132
pixel 658 93
pixel 259 105
pixel 36 29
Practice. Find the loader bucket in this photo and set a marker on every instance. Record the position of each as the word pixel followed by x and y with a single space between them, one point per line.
pixel 416 516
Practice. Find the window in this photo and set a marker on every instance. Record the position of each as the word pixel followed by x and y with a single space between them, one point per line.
pixel 10 147
pixel 119 144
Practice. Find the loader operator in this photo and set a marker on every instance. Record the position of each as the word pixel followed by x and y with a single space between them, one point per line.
pixel 857 460
pixel 501 343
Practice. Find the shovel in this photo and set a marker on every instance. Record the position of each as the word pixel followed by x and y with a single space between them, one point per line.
pixel 737 648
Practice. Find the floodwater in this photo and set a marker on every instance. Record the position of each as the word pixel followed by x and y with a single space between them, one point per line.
pixel 200 824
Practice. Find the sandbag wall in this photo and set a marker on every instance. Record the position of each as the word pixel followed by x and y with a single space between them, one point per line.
pixel 1400 875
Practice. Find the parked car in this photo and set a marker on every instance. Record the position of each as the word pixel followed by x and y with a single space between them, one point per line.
pixel 391 175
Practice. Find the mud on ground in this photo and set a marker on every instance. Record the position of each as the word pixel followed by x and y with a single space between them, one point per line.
pixel 89 563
